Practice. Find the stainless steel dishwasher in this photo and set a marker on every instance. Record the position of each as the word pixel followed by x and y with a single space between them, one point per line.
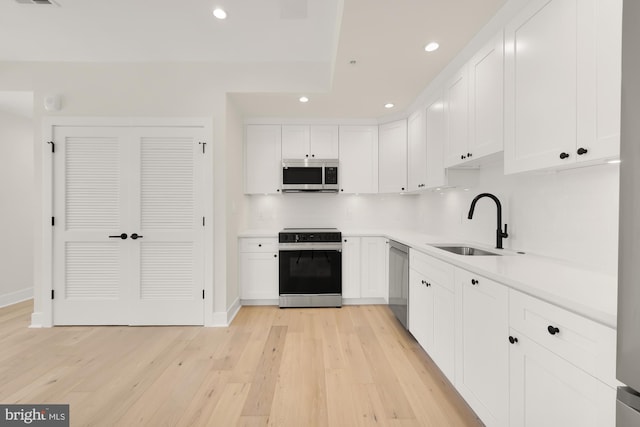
pixel 399 281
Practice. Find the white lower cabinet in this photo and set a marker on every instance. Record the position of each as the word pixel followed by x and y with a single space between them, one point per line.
pixel 562 367
pixel 547 390
pixel 258 264
pixel 364 269
pixel 482 352
pixel 431 310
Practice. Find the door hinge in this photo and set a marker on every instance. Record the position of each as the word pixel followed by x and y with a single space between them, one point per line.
pixel 53 293
pixel 53 146
pixel 53 221
pixel 204 144
pixel 203 294
pixel 203 221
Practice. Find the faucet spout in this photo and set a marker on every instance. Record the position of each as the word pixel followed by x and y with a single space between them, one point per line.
pixel 499 233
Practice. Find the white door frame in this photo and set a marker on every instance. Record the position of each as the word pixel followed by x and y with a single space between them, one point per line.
pixel 44 317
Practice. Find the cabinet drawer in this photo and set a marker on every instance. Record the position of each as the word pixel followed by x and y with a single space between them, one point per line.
pixel 581 341
pixel 432 268
pixel 267 244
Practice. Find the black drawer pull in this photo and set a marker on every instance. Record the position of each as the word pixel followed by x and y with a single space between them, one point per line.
pixel 553 330
pixel 135 236
pixel 513 340
pixel 119 236
pixel 474 281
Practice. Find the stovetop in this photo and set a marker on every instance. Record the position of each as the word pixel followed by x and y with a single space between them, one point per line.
pixel 296 235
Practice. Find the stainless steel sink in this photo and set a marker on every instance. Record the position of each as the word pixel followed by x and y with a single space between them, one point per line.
pixel 465 250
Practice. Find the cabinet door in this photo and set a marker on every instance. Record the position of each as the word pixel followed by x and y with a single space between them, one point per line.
pixel 420 310
pixel 295 142
pixel 482 353
pixel 546 390
pixel 262 159
pixel 351 267
pixel 324 141
pixel 358 159
pixel 486 80
pixel 258 276
pixel 599 79
pixel 393 157
pixel 374 277
pixel 456 96
pixel 417 151
pixel 436 140
pixel 540 86
pixel 443 353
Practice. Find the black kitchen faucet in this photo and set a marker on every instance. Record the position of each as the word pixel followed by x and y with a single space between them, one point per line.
pixel 499 233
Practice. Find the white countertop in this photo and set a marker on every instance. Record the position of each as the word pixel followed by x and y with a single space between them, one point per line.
pixel 588 293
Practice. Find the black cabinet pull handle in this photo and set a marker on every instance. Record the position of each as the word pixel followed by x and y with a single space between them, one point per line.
pixel 428 284
pixel 259 245
pixel 564 155
pixel 582 151
pixel 306 155
pixel 275 255
pixel 513 340
pixel 469 154
pixel 461 157
pixel 553 330
pixel 402 188
pixel 474 281
pixel 135 236
pixel 120 236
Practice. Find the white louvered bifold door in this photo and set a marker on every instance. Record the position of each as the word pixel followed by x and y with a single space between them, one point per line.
pixel 166 209
pixel 147 183
pixel 90 269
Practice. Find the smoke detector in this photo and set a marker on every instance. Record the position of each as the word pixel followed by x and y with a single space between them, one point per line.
pixel 41 2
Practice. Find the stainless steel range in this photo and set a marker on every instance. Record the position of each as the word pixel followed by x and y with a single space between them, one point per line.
pixel 310 267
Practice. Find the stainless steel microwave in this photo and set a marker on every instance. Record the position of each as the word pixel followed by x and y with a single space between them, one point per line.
pixel 319 175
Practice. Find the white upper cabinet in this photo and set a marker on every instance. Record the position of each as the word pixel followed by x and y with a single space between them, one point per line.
pixel 263 161
pixel 358 159
pixel 436 139
pixel 392 157
pixel 324 141
pixel 456 98
pixel 417 151
pixel 562 84
pixel 486 80
pixel 303 141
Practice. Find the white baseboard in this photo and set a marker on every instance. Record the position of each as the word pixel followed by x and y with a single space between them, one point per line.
pixel 16 297
pixel 224 318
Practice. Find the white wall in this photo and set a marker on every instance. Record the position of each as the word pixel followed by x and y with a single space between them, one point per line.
pixel 570 215
pixel 236 220
pixel 344 211
pixel 17 213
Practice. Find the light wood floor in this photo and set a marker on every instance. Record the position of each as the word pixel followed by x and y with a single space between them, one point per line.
pixel 295 367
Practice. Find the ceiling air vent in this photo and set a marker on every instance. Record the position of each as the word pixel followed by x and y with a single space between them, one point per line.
pixel 43 2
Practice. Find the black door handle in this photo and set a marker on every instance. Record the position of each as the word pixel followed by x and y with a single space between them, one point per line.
pixel 135 236
pixel 513 340
pixel 582 151
pixel 553 330
pixel 564 155
pixel 120 236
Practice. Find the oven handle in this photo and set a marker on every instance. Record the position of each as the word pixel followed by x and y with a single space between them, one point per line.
pixel 310 247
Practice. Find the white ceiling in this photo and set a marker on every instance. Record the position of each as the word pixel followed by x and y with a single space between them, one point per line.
pixel 384 37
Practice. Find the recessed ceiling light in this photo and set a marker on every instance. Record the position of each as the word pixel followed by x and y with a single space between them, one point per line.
pixel 220 13
pixel 304 99
pixel 431 47
pixel 389 105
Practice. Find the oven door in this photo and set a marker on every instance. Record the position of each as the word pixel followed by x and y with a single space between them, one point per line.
pixel 310 269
